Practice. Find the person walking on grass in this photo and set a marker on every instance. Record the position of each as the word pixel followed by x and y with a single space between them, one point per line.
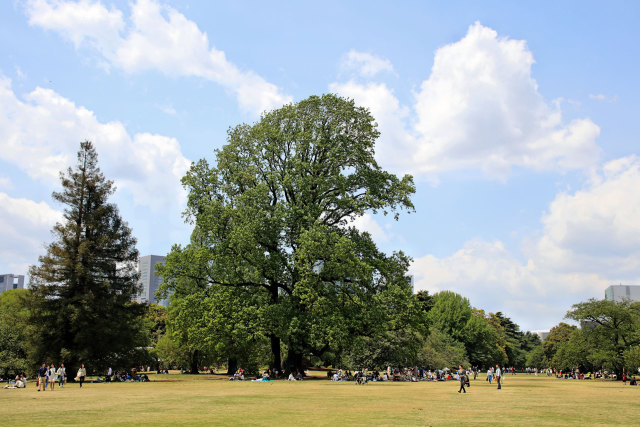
pixel 42 377
pixel 461 375
pixel 499 376
pixel 53 376
pixel 82 373
pixel 61 373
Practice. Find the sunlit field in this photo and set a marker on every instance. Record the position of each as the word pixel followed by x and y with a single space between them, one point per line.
pixel 206 399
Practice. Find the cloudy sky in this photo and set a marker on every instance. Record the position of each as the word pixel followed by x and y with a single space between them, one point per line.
pixel 518 120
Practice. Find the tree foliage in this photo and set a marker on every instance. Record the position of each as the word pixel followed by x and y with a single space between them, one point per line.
pixel 83 285
pixel 442 351
pixel 558 335
pixel 273 216
pixel 610 328
pixel 574 353
pixel 450 314
pixel 453 315
pixel 14 327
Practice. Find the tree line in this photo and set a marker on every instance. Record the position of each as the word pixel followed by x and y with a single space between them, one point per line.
pixel 275 272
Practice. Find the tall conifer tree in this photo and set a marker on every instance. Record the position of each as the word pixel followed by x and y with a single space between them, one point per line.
pixel 83 286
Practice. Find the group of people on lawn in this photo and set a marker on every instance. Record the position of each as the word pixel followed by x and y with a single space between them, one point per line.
pixel 48 376
pixel 268 375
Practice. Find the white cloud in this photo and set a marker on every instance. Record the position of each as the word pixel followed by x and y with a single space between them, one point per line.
pixel 597 229
pixel 602 97
pixel 368 223
pixel 589 240
pixel 480 108
pixel 395 143
pixel 41 135
pixel 24 226
pixel 157 38
pixel 83 22
pixel 365 64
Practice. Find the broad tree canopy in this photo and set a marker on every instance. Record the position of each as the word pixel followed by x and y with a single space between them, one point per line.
pixel 275 214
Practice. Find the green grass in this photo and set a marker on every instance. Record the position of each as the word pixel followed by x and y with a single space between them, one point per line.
pixel 206 399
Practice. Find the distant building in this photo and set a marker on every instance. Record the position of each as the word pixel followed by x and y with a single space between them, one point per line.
pixel 149 281
pixel 11 281
pixel 618 293
pixel 542 334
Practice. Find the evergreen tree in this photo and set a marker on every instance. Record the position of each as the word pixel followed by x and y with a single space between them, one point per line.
pixel 82 309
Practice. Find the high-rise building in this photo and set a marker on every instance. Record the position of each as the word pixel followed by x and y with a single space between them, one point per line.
pixel 620 292
pixel 149 281
pixel 11 281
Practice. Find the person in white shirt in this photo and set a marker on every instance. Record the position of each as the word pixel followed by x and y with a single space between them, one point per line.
pixel 498 376
pixel 62 373
pixel 82 373
pixel 52 376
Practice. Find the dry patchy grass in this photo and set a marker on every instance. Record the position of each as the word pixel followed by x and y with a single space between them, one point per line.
pixel 205 399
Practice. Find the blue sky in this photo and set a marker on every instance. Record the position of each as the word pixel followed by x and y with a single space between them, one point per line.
pixel 518 121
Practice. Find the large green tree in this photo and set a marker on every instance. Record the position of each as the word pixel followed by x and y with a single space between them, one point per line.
pixel 453 315
pixel 274 215
pixel 558 335
pixel 610 328
pixel 155 322
pixel 513 339
pixel 14 328
pixel 576 352
pixel 83 285
pixel 441 351
pixel 483 342
pixel 450 314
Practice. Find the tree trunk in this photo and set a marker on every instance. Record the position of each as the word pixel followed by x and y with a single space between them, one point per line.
pixel 194 362
pixel 232 366
pixel 294 363
pixel 276 362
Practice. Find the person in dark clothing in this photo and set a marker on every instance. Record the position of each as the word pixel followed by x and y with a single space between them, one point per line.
pixel 42 377
pixel 461 375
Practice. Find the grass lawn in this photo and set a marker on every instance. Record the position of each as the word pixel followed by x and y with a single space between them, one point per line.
pixel 205 399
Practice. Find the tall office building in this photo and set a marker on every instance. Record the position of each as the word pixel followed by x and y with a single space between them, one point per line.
pixel 149 281
pixel 11 281
pixel 619 292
